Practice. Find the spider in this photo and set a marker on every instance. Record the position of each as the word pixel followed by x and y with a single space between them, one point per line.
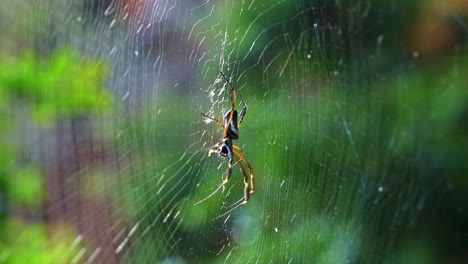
pixel 227 149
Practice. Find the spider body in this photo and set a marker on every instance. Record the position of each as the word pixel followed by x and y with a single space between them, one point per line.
pixel 226 148
pixel 232 134
pixel 233 128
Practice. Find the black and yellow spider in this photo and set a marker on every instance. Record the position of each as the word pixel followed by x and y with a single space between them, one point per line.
pixel 226 148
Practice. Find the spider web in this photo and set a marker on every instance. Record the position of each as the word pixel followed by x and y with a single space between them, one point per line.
pixel 339 174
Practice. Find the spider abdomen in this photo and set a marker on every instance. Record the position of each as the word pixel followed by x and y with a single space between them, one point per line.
pixel 233 129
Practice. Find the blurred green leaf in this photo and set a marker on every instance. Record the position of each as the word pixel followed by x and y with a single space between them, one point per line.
pixel 26 187
pixel 63 85
pixel 33 243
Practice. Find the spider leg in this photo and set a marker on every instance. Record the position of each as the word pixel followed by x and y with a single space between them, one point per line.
pixel 214 148
pixel 231 114
pixel 226 180
pixel 244 200
pixel 241 151
pixel 240 154
pixel 234 206
pixel 214 119
pixel 242 114
pixel 233 99
pixel 243 111
pixel 247 192
pixel 233 105
pixel 211 195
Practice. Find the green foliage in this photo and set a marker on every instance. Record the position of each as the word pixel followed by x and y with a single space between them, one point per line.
pixel 429 109
pixel 26 187
pixel 34 243
pixel 61 86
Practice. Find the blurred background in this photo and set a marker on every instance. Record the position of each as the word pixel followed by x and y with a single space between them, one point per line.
pixel 357 131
